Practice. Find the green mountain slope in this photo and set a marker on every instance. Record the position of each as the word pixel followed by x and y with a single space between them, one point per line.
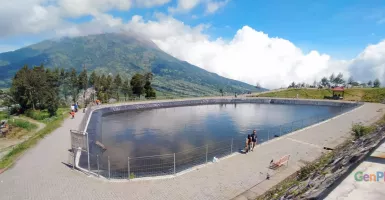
pixel 124 54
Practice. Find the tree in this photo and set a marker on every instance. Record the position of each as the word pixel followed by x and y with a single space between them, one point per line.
pixel 92 79
pixel 350 80
pixel 126 89
pixel 148 90
pixel 221 91
pixel 51 92
pixel 258 86
pixel 324 82
pixel 36 88
pixel 74 85
pixel 370 83
pixel 137 84
pixel 338 80
pixel 117 85
pixel 332 79
pixel 109 87
pixel 376 83
pixel 292 85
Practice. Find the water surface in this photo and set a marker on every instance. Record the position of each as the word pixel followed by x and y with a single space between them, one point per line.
pixel 171 130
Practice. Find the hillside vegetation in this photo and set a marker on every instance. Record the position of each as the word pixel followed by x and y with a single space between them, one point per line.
pixel 354 94
pixel 124 54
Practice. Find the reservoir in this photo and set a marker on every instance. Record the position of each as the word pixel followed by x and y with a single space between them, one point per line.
pixel 170 130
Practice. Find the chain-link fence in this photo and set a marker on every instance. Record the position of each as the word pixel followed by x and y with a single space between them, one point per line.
pixel 170 164
pixel 99 164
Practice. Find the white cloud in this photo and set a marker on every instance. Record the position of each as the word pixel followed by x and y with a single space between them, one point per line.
pixel 369 64
pixel 250 56
pixel 151 3
pixel 213 6
pixel 27 16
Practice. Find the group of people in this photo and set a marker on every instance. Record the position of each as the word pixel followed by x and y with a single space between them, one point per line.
pixel 251 141
pixel 74 109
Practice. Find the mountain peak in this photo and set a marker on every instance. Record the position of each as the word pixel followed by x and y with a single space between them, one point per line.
pixel 125 53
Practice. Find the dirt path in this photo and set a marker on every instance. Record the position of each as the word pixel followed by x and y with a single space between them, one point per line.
pixel 7 144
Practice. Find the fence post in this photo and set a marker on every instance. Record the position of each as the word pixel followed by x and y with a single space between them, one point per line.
pixel 74 154
pixel 207 149
pixel 174 163
pixel 88 154
pixel 128 167
pixel 231 149
pixel 109 170
pixel 97 161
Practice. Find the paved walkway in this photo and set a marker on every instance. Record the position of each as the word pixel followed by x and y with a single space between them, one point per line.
pixel 42 174
pixel 351 189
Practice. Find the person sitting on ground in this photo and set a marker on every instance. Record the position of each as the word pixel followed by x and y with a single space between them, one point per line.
pixel 248 143
pixel 253 139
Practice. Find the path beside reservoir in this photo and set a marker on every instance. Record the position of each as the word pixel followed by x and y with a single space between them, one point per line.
pixel 42 173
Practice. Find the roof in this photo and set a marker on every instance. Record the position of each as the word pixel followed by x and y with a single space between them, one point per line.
pixel 338 89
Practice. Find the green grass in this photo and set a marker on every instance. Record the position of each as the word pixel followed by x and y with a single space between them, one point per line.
pixel 22 124
pixel 376 95
pixel 43 115
pixel 11 157
pixel 3 115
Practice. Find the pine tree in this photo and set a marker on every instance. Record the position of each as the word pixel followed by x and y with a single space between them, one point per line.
pixel 117 85
pixel 126 89
pixel 74 85
pixel 137 84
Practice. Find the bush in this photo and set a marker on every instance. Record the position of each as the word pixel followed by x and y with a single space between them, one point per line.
pixel 22 124
pixel 37 114
pixel 360 130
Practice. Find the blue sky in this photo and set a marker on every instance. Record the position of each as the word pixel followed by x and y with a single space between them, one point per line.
pixel 289 40
pixel 339 28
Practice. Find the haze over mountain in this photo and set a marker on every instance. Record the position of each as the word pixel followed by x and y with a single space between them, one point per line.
pixel 120 53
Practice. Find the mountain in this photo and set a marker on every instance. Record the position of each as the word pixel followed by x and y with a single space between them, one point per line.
pixel 120 53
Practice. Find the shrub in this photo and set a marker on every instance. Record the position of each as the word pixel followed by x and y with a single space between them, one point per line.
pixel 22 124
pixel 360 130
pixel 37 114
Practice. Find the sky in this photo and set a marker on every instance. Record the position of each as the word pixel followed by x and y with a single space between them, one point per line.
pixel 270 42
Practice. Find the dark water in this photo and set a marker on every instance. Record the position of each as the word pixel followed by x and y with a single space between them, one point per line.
pixel 171 130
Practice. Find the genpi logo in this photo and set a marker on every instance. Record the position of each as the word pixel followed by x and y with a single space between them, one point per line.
pixel 378 176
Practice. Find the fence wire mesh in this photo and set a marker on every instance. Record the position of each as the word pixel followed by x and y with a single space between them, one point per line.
pixel 169 164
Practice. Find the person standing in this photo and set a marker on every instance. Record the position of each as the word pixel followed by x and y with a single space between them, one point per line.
pixel 253 139
pixel 76 106
pixel 72 113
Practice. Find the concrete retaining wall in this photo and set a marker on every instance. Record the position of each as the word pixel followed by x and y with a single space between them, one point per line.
pixel 94 128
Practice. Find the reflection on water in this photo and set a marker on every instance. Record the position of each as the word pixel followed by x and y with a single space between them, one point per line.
pixel 171 130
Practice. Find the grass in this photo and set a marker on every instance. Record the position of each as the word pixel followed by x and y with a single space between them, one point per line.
pixel 43 115
pixel 376 95
pixel 11 157
pixel 22 124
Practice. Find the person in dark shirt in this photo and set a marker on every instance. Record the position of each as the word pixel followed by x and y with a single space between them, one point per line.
pixel 253 139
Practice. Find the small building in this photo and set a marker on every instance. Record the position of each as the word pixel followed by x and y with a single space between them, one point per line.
pixel 338 92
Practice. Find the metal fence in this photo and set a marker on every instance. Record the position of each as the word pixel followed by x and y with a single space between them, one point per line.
pixel 171 164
